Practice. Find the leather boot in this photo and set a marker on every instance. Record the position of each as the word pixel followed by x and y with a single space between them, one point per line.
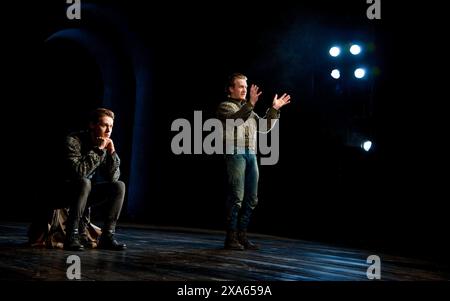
pixel 243 240
pixel 231 241
pixel 108 242
pixel 72 241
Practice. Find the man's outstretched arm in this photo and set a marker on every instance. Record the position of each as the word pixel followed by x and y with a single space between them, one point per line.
pixel 273 113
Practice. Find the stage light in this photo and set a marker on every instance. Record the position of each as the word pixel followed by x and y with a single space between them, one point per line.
pixel 366 145
pixel 360 73
pixel 335 73
pixel 335 51
pixel 355 49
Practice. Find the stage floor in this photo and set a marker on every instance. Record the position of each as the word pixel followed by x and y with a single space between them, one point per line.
pixel 178 254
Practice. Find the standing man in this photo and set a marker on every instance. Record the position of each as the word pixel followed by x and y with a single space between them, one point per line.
pixel 240 158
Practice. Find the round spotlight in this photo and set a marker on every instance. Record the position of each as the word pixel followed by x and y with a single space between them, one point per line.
pixel 334 51
pixel 366 145
pixel 360 73
pixel 335 74
pixel 355 49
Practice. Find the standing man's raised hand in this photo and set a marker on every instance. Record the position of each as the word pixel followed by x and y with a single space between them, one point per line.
pixel 279 102
pixel 254 94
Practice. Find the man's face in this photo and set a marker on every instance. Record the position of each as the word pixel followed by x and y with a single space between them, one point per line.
pixel 239 91
pixel 103 128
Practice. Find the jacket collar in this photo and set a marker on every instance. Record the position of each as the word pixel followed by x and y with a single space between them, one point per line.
pixel 239 102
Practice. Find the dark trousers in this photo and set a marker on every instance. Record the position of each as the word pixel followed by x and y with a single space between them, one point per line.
pixel 84 194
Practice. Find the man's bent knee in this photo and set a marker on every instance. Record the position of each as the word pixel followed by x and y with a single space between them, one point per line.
pixel 84 184
pixel 119 186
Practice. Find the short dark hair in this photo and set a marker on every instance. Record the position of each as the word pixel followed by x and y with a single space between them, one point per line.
pixel 98 113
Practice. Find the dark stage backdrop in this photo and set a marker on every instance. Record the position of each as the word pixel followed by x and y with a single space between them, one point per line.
pixel 155 63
